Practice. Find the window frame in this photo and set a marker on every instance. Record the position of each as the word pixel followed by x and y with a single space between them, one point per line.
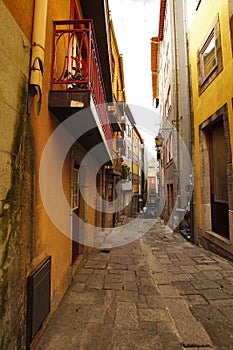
pixel 75 187
pixel 204 82
pixel 202 51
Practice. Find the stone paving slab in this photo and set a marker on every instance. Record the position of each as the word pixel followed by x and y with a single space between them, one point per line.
pixel 158 292
pixel 207 290
pixel 191 331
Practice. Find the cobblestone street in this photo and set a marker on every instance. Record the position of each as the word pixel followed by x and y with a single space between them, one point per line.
pixel 159 292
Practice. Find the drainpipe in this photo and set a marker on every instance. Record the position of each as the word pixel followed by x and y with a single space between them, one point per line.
pixel 176 119
pixel 37 51
pixel 191 134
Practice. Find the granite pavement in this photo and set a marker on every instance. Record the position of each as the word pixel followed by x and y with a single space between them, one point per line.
pixel 159 292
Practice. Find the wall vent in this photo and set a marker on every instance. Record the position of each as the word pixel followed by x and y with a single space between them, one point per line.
pixel 38 298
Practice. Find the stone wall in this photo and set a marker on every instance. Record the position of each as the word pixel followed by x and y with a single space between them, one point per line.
pixel 16 188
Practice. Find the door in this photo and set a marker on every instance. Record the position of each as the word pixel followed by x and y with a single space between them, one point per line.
pixel 218 180
pixel 75 207
pixel 170 200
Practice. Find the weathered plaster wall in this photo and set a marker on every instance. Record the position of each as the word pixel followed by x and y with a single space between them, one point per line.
pixel 16 186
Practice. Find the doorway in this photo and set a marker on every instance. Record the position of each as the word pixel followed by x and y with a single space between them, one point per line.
pixel 218 179
pixel 75 213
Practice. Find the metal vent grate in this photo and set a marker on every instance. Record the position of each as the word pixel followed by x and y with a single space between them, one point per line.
pixel 38 298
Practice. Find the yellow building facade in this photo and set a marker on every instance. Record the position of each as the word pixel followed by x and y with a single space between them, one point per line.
pixel 211 62
pixel 114 172
pixel 117 70
pixel 137 169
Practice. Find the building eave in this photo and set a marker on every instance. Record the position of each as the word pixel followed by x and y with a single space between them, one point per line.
pixel 161 18
pixel 98 11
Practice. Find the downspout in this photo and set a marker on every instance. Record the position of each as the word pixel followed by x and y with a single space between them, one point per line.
pixel 191 136
pixel 37 51
pixel 174 27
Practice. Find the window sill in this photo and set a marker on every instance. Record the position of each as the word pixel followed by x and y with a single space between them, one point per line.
pixel 204 79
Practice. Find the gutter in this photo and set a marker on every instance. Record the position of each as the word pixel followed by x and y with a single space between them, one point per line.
pixel 37 51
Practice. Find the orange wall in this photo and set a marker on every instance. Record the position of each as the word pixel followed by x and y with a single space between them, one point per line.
pixel 22 11
pixel 47 239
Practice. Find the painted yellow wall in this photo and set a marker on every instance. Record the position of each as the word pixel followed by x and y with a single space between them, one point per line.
pixel 48 239
pixel 220 91
pixel 118 87
pixel 135 153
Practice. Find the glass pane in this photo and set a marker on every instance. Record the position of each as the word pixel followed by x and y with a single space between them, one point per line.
pixel 209 57
pixel 75 194
pixel 75 188
pixel 110 191
pixel 75 201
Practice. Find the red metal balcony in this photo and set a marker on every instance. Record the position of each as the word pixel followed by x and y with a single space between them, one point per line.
pixel 76 81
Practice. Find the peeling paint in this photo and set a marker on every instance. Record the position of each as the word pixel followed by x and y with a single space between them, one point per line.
pixel 17 209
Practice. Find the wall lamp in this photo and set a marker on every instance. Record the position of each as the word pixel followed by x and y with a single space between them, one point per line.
pixel 159 141
pixel 159 138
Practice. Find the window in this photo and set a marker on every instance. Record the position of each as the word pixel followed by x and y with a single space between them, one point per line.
pixel 128 131
pixel 129 155
pixel 169 149
pixel 75 191
pixel 110 191
pixel 209 57
pixel 168 103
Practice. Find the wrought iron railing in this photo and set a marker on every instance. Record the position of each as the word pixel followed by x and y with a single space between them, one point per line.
pixel 76 65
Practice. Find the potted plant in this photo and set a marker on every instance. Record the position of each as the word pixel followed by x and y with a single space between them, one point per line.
pixel 125 170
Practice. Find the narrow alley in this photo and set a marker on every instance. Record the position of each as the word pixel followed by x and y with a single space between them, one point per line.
pixel 116 175
pixel 159 292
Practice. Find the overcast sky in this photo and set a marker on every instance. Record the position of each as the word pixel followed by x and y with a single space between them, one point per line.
pixel 135 23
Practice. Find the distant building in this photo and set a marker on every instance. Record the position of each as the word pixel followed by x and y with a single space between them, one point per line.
pixel 137 169
pixel 152 189
pixel 127 155
pixel 170 83
pixel 114 171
